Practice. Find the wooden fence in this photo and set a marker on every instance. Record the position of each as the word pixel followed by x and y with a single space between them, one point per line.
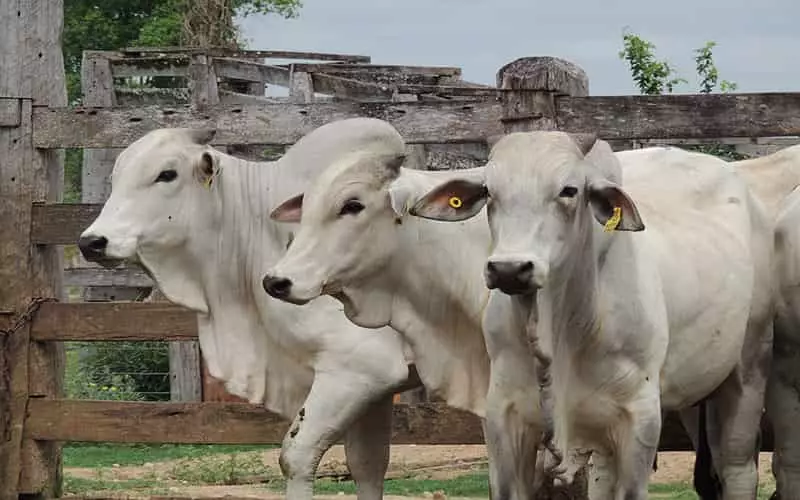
pixel 532 93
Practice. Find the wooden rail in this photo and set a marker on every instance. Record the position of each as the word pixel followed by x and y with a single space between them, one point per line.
pixel 618 117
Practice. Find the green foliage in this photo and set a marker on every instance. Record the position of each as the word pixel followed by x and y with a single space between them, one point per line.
pixel 115 24
pixel 122 371
pixel 653 77
pixel 123 454
pixel 707 71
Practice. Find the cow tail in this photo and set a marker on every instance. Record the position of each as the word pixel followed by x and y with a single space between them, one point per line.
pixel 706 482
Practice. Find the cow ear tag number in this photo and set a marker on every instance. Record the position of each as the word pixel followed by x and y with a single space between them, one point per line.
pixel 455 202
pixel 613 221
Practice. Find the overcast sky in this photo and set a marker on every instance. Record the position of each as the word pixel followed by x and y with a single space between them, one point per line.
pixel 758 48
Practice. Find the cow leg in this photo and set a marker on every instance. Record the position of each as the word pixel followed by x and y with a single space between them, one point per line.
pixel 511 446
pixel 783 408
pixel 635 442
pixel 366 444
pixel 337 398
pixel 734 417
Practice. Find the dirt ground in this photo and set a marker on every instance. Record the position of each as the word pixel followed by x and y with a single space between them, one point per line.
pixel 423 462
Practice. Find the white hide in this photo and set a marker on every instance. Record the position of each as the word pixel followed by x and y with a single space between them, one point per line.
pixel 391 269
pixel 628 316
pixel 208 248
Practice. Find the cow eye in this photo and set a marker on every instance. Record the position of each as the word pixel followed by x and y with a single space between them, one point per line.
pixel 167 176
pixel 568 192
pixel 351 207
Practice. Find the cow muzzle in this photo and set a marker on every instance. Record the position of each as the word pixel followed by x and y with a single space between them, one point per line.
pixel 95 249
pixel 281 288
pixel 512 277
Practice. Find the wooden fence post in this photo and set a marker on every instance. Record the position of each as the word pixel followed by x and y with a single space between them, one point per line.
pixel 542 79
pixel 97 85
pixel 31 67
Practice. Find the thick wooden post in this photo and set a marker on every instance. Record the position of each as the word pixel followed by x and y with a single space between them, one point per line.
pixel 547 78
pixel 31 68
pixel 301 86
pixel 542 79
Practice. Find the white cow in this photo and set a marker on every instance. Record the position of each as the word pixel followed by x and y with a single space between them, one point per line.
pixel 636 320
pixel 774 179
pixel 194 218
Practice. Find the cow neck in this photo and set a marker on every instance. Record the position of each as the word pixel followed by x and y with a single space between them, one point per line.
pixel 570 312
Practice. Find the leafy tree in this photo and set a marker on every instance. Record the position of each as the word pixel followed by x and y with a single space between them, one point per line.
pixel 114 24
pixel 654 77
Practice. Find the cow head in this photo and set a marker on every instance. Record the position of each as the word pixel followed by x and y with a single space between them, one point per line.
pixel 346 234
pixel 159 201
pixel 542 192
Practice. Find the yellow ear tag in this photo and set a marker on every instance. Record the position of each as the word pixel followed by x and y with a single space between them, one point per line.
pixel 207 182
pixel 455 202
pixel 613 221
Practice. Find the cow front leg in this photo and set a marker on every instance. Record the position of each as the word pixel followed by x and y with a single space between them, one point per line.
pixel 337 398
pixel 635 439
pixel 367 447
pixel 511 446
pixel 783 409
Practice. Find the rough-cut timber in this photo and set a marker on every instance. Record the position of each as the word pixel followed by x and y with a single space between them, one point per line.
pixel 532 85
pixel 242 423
pixel 348 88
pixel 385 74
pixel 250 54
pixel 232 423
pixel 32 67
pixel 682 116
pixel 89 321
pixel 235 69
pixel 61 223
pixel 10 113
pixel 98 276
pixel 273 124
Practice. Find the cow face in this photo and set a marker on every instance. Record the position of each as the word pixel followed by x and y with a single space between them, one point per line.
pixel 541 193
pixel 346 234
pixel 157 203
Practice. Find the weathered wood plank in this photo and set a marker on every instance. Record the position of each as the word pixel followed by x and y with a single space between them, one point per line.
pixel 232 423
pixel 61 224
pixel 384 74
pixel 10 112
pixel 250 71
pixel 87 321
pixel 143 96
pixel 150 66
pixel 98 276
pixel 349 88
pixel 242 423
pixel 274 124
pixel 451 90
pixel 237 98
pixel 255 54
pixel 682 116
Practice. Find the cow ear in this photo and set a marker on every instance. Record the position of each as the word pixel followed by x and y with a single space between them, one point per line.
pixel 613 208
pixel 207 169
pixel 455 200
pixel 289 211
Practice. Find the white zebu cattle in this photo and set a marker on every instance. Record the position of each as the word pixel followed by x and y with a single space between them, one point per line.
pixel 195 219
pixel 773 179
pixel 635 322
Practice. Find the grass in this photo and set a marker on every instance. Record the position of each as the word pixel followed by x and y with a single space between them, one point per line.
pixel 106 455
pixel 241 464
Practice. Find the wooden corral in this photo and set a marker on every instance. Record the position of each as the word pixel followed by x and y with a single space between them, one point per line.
pixel 532 93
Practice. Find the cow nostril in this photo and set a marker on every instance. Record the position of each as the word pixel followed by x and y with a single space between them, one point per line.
pixel 277 287
pixel 526 267
pixel 491 267
pixel 93 246
pixel 99 243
